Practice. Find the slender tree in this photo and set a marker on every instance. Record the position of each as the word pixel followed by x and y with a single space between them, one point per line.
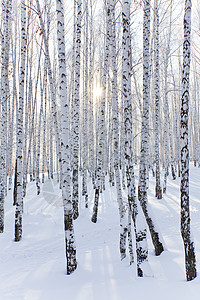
pixel 144 152
pixel 38 138
pixel 5 46
pixel 44 158
pixel 190 260
pixel 101 137
pixel 90 90
pixel 85 109
pixel 115 127
pixel 19 202
pixel 4 105
pixel 11 113
pixel 65 152
pixel 138 219
pixel 158 190
pixel 76 108
pixel 52 103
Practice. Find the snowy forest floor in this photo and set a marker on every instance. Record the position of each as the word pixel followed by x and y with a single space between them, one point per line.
pixel 34 269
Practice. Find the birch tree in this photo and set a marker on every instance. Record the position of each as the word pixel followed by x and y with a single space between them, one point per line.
pixel 139 226
pixel 158 190
pixel 167 132
pixel 44 158
pixel 52 103
pixel 190 260
pixel 144 152
pixel 28 86
pixel 115 127
pixel 90 90
pixel 101 138
pixel 11 112
pixel 85 109
pixel 5 46
pixel 76 108
pixel 38 138
pixel 19 202
pixel 65 151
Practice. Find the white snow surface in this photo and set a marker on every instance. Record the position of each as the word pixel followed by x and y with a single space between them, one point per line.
pixel 35 268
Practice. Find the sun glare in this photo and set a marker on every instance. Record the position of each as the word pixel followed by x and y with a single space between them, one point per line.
pixel 97 91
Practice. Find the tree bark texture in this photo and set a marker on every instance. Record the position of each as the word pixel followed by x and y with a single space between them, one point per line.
pixel 144 152
pixel 139 226
pixel 76 109
pixel 190 260
pixel 19 202
pixel 65 151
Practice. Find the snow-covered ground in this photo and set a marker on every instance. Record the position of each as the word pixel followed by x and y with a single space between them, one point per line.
pixel 34 269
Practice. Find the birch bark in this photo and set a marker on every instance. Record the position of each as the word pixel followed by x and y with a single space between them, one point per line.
pixel 100 140
pixel 115 128
pixel 138 219
pixel 65 151
pixel 76 108
pixel 85 110
pixel 54 109
pixel 190 260
pixel 6 10
pixel 19 202
pixel 158 190
pixel 144 152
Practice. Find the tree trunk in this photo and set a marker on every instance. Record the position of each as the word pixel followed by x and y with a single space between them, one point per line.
pixel 190 260
pixel 65 151
pixel 5 46
pixel 143 170
pixel 19 202
pixel 76 108
pixel 85 110
pixel 115 125
pixel 158 190
pixel 139 226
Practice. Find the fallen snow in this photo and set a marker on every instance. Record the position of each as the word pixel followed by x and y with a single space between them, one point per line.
pixel 34 269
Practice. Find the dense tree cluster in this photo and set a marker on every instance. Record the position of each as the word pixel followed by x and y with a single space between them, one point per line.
pixel 91 90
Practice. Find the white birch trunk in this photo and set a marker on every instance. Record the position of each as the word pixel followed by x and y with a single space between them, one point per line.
pixel 26 106
pixel 4 105
pixel 115 128
pixel 144 165
pixel 72 84
pixel 65 151
pixel 44 152
pixel 39 137
pixel 85 110
pixel 138 219
pixel 19 202
pixel 190 260
pixel 91 112
pixel 76 108
pixel 11 114
pixel 100 134
pixel 54 109
pixel 158 190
